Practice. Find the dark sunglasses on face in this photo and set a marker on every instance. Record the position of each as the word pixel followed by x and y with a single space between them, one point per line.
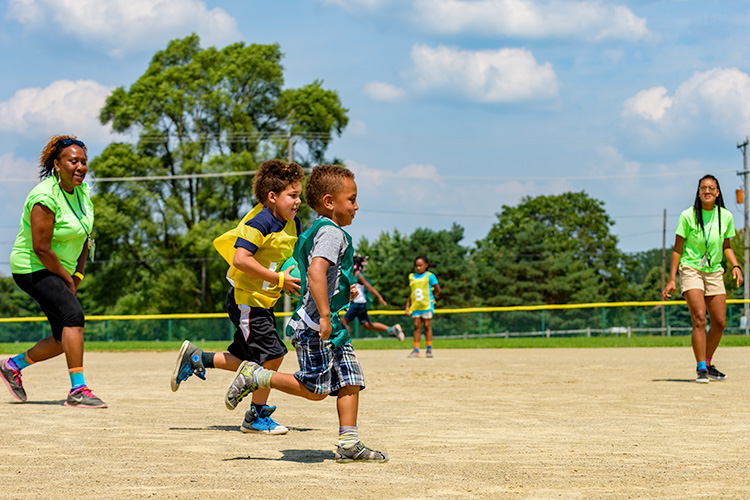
pixel 70 142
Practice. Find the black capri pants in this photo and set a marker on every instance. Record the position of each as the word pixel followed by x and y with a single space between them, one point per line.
pixel 59 304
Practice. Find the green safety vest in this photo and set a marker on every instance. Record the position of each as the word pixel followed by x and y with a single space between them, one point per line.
pixel 340 300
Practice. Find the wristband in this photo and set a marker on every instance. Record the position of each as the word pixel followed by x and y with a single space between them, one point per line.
pixel 738 267
pixel 281 280
pixel 78 275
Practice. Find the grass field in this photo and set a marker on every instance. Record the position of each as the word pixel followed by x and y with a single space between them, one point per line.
pixel 388 343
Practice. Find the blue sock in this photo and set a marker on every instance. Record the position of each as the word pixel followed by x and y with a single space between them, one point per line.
pixel 76 378
pixel 389 330
pixel 701 366
pixel 21 361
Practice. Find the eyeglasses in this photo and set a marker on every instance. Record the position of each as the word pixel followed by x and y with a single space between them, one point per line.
pixel 70 142
pixel 703 189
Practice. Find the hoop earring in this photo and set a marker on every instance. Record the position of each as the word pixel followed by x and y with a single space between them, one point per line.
pixel 57 175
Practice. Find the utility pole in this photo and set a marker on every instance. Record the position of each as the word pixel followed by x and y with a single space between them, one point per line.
pixel 664 272
pixel 746 265
pixel 290 158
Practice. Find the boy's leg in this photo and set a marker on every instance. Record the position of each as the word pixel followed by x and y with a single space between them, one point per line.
pixel 258 417
pixel 350 448
pixel 251 377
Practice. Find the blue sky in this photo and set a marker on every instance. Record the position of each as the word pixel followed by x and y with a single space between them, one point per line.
pixel 456 107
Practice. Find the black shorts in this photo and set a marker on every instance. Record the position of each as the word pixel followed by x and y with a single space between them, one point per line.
pixel 357 310
pixel 255 338
pixel 58 303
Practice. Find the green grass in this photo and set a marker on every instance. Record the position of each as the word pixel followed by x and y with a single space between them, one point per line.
pixel 485 343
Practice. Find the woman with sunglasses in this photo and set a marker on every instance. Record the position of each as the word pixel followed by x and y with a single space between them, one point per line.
pixel 704 232
pixel 48 261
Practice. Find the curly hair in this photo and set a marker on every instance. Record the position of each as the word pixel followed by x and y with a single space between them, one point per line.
pixel 325 179
pixel 275 176
pixel 52 150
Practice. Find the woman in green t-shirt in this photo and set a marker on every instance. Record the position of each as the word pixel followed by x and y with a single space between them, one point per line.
pixel 48 261
pixel 704 232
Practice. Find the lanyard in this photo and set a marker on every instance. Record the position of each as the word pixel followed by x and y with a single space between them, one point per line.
pixel 89 239
pixel 708 257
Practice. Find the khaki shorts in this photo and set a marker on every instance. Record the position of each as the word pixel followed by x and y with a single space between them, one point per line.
pixel 710 283
pixel 424 315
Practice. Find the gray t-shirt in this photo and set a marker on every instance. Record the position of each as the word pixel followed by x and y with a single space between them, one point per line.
pixel 329 243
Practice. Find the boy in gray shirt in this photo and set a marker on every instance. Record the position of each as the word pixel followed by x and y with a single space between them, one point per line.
pixel 328 363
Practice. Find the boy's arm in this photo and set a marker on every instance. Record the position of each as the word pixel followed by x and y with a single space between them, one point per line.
pixel 317 283
pixel 362 280
pixel 245 261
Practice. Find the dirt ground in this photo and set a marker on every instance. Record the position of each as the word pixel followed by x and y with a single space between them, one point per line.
pixel 467 424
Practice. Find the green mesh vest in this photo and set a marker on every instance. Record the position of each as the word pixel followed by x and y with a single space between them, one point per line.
pixel 340 300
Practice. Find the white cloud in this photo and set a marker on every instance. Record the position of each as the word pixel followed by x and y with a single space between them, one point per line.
pixel 382 91
pixel 16 168
pixel 503 75
pixel 355 4
pixel 121 26
pixel 718 98
pixel 649 104
pixel 589 20
pixel 63 107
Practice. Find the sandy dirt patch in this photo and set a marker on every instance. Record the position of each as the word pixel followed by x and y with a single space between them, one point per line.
pixel 468 424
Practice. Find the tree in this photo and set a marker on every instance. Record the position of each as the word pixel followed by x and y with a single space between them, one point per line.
pixel 550 250
pixel 391 259
pixel 195 111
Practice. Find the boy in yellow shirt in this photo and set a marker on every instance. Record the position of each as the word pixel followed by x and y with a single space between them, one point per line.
pixel 256 249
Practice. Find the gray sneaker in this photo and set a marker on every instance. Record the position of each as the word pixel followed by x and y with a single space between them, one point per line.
pixel 245 381
pixel 359 453
pixel 397 332
pixel 84 398
pixel 12 379
pixel 188 362
pixel 702 377
pixel 413 354
pixel 262 423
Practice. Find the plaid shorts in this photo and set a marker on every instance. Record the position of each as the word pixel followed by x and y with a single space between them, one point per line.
pixel 325 369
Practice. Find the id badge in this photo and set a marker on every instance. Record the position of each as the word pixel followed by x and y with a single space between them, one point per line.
pixel 704 261
pixel 92 247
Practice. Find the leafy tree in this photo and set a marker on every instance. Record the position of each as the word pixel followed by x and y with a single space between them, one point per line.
pixel 195 111
pixel 391 259
pixel 550 250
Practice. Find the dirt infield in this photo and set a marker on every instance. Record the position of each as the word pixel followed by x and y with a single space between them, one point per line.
pixel 468 424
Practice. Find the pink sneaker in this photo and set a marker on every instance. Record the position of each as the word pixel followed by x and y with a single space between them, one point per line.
pixel 84 398
pixel 12 379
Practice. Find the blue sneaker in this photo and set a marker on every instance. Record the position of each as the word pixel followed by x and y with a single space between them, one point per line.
pixel 262 423
pixel 188 362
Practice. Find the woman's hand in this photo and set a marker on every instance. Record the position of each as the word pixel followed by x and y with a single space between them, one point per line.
pixel 668 290
pixel 737 274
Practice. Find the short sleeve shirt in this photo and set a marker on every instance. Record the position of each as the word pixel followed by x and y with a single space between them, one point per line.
pixel 271 241
pixel 74 218
pixel 698 240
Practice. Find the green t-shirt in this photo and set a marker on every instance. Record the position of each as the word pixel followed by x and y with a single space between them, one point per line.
pixel 695 238
pixel 69 233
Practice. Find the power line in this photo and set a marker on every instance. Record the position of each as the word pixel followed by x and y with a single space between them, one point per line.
pixel 440 177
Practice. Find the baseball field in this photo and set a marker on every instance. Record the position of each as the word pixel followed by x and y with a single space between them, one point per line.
pixel 468 424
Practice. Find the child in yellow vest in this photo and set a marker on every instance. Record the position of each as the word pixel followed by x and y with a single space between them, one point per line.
pixel 423 288
pixel 256 250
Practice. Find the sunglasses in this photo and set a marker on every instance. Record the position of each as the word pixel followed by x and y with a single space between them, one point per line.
pixel 70 142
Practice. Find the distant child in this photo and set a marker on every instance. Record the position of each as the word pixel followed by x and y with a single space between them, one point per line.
pixel 328 363
pixel 421 303
pixel 358 307
pixel 255 249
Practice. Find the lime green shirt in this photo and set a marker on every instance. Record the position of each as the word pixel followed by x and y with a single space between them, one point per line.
pixel 69 233
pixel 695 238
